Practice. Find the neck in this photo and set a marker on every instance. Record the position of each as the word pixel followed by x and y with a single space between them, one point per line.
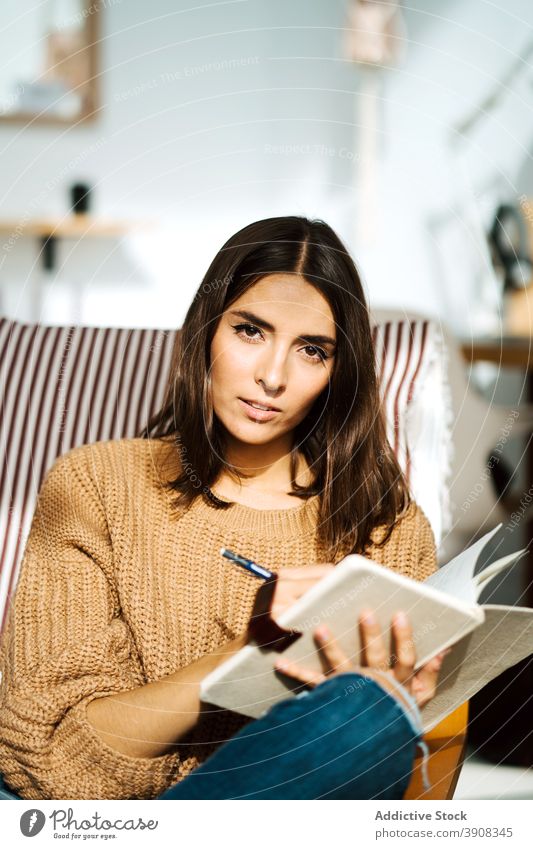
pixel 266 467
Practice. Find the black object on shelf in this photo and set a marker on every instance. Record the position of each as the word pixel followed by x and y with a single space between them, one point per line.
pixel 48 252
pixel 509 243
pixel 80 194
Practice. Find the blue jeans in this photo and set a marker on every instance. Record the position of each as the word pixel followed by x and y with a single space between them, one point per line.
pixel 345 739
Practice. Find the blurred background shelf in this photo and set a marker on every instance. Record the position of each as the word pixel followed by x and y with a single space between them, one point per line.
pixel 70 227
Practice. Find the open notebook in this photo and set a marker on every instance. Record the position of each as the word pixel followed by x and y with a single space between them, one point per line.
pixel 443 610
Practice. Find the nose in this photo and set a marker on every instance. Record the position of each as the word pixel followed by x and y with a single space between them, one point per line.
pixel 271 372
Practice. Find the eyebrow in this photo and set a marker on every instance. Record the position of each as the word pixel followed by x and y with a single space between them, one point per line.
pixel 305 337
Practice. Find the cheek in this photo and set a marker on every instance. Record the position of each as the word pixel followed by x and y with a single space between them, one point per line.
pixel 307 389
pixel 228 363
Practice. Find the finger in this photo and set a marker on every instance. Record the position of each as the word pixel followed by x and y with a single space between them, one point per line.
pixel 404 648
pixel 299 673
pixel 305 573
pixel 373 648
pixel 424 684
pixel 330 652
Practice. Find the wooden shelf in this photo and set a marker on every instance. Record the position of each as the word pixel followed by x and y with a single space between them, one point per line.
pixel 509 351
pixel 71 226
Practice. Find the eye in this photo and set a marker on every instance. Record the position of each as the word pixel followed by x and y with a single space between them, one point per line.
pixel 319 354
pixel 242 331
pixel 249 333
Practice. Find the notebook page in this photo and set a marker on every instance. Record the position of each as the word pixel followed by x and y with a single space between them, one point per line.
pixel 503 639
pixel 457 576
pixel 482 579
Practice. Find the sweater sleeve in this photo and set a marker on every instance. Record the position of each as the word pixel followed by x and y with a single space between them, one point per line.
pixel 65 644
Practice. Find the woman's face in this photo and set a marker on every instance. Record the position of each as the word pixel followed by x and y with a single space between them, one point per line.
pixel 274 346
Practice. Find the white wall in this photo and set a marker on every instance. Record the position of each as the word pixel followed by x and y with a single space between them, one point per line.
pixel 216 116
pixel 445 183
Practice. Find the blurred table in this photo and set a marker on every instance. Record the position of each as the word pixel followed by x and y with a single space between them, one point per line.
pixel 48 232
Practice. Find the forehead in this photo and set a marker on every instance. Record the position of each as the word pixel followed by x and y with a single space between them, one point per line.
pixel 288 299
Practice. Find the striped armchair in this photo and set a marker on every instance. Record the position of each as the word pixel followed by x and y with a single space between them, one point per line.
pixel 67 386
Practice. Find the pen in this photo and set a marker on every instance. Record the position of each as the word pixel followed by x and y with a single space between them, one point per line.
pixel 254 568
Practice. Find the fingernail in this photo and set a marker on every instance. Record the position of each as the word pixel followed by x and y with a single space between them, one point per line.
pixel 368 617
pixel 281 665
pixel 401 619
pixel 323 632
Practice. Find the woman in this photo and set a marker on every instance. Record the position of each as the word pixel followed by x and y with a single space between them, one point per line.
pixel 124 603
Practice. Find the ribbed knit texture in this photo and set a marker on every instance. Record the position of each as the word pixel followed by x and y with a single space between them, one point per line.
pixel 116 590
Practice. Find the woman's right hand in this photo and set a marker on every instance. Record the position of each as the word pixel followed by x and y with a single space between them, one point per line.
pixel 293 583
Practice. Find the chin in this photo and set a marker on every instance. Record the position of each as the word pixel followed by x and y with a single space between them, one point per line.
pixel 256 434
pixel 251 433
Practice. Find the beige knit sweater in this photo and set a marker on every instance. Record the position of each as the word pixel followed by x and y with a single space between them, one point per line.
pixel 116 590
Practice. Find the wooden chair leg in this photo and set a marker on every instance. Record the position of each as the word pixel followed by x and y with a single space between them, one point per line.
pixel 447 746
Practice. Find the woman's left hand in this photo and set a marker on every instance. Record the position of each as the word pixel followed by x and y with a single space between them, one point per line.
pixel 422 685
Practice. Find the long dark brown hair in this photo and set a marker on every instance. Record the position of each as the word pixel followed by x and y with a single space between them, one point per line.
pixel 343 438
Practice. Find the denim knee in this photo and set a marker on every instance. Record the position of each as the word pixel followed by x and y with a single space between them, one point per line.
pixel 345 739
pixel 333 692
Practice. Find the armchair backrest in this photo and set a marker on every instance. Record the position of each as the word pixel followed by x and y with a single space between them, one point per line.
pixel 61 387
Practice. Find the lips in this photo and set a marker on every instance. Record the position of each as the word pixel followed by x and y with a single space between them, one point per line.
pixel 258 415
pixel 259 404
